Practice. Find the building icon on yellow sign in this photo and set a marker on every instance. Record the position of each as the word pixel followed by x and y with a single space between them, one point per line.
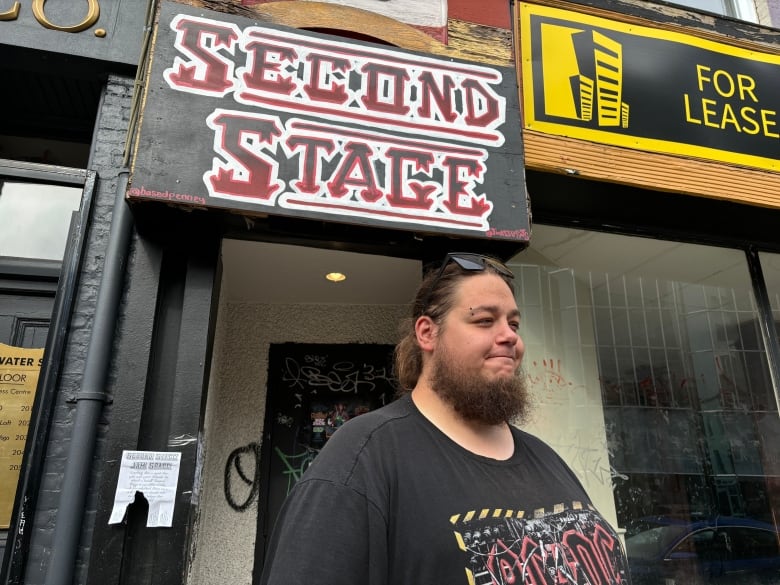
pixel 583 74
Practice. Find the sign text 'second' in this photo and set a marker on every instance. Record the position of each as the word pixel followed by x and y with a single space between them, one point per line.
pixel 337 81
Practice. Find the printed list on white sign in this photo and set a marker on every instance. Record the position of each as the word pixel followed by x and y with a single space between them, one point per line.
pixel 154 474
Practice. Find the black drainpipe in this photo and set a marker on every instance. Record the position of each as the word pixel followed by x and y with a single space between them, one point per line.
pixel 92 396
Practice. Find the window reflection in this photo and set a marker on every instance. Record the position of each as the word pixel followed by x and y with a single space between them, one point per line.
pixel 742 9
pixel 35 219
pixel 656 345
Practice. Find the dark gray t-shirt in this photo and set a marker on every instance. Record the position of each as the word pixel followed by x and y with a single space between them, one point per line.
pixel 391 500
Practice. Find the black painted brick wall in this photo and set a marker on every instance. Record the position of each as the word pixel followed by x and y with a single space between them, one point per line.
pixel 106 159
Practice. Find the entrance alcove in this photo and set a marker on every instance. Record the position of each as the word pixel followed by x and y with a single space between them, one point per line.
pixel 274 294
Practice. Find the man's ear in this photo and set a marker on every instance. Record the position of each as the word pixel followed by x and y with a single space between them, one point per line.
pixel 427 331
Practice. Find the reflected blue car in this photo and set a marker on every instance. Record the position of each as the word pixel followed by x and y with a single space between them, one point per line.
pixel 720 550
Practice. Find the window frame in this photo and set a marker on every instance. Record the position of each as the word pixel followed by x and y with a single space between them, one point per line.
pixel 27 274
pixel 61 280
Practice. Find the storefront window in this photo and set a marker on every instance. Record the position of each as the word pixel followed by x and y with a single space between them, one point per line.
pixel 742 9
pixel 770 266
pixel 651 379
pixel 35 219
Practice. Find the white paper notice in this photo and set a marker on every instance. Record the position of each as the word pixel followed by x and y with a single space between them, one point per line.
pixel 154 474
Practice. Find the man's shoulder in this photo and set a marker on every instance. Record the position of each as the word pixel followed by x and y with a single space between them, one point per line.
pixel 533 444
pixel 529 440
pixel 364 438
pixel 545 456
pixel 374 420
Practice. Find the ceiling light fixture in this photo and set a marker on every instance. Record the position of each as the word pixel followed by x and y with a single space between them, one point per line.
pixel 336 276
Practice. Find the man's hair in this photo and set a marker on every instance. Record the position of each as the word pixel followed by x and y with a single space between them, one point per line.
pixel 434 298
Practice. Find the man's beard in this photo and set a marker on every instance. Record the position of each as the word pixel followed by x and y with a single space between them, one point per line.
pixel 478 399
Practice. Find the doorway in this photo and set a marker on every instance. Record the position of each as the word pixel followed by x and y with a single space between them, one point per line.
pixel 26 304
pixel 271 295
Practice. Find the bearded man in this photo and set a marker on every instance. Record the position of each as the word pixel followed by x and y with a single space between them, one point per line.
pixel 439 487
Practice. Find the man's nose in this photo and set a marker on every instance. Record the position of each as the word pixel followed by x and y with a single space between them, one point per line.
pixel 509 334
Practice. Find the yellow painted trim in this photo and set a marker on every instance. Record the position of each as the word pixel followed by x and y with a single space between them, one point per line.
pixel 661 172
pixel 651 145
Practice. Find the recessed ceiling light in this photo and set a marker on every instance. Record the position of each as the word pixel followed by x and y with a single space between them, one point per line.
pixel 336 276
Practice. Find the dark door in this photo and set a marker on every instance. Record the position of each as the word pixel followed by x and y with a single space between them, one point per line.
pixel 312 390
pixel 24 319
pixel 27 290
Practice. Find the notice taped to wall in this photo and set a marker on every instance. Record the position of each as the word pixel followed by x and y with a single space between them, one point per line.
pixel 19 370
pixel 155 475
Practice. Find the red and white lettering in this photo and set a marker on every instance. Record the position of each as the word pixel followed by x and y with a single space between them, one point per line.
pixel 356 171
pixel 385 88
pixel 442 94
pixel 286 72
pixel 589 557
pixel 327 76
pixel 405 193
pixel 309 161
pixel 605 544
pixel 482 104
pixel 531 563
pixel 338 169
pixel 461 174
pixel 264 70
pixel 246 171
pixel 205 70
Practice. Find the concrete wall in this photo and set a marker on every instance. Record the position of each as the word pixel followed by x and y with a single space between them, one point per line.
pixel 769 13
pixel 225 539
pixel 561 368
pixel 764 9
pixel 106 159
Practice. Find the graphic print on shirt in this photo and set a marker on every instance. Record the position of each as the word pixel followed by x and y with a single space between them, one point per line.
pixel 568 544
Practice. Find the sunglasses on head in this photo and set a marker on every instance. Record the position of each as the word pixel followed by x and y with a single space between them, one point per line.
pixel 474 263
pixel 470 263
